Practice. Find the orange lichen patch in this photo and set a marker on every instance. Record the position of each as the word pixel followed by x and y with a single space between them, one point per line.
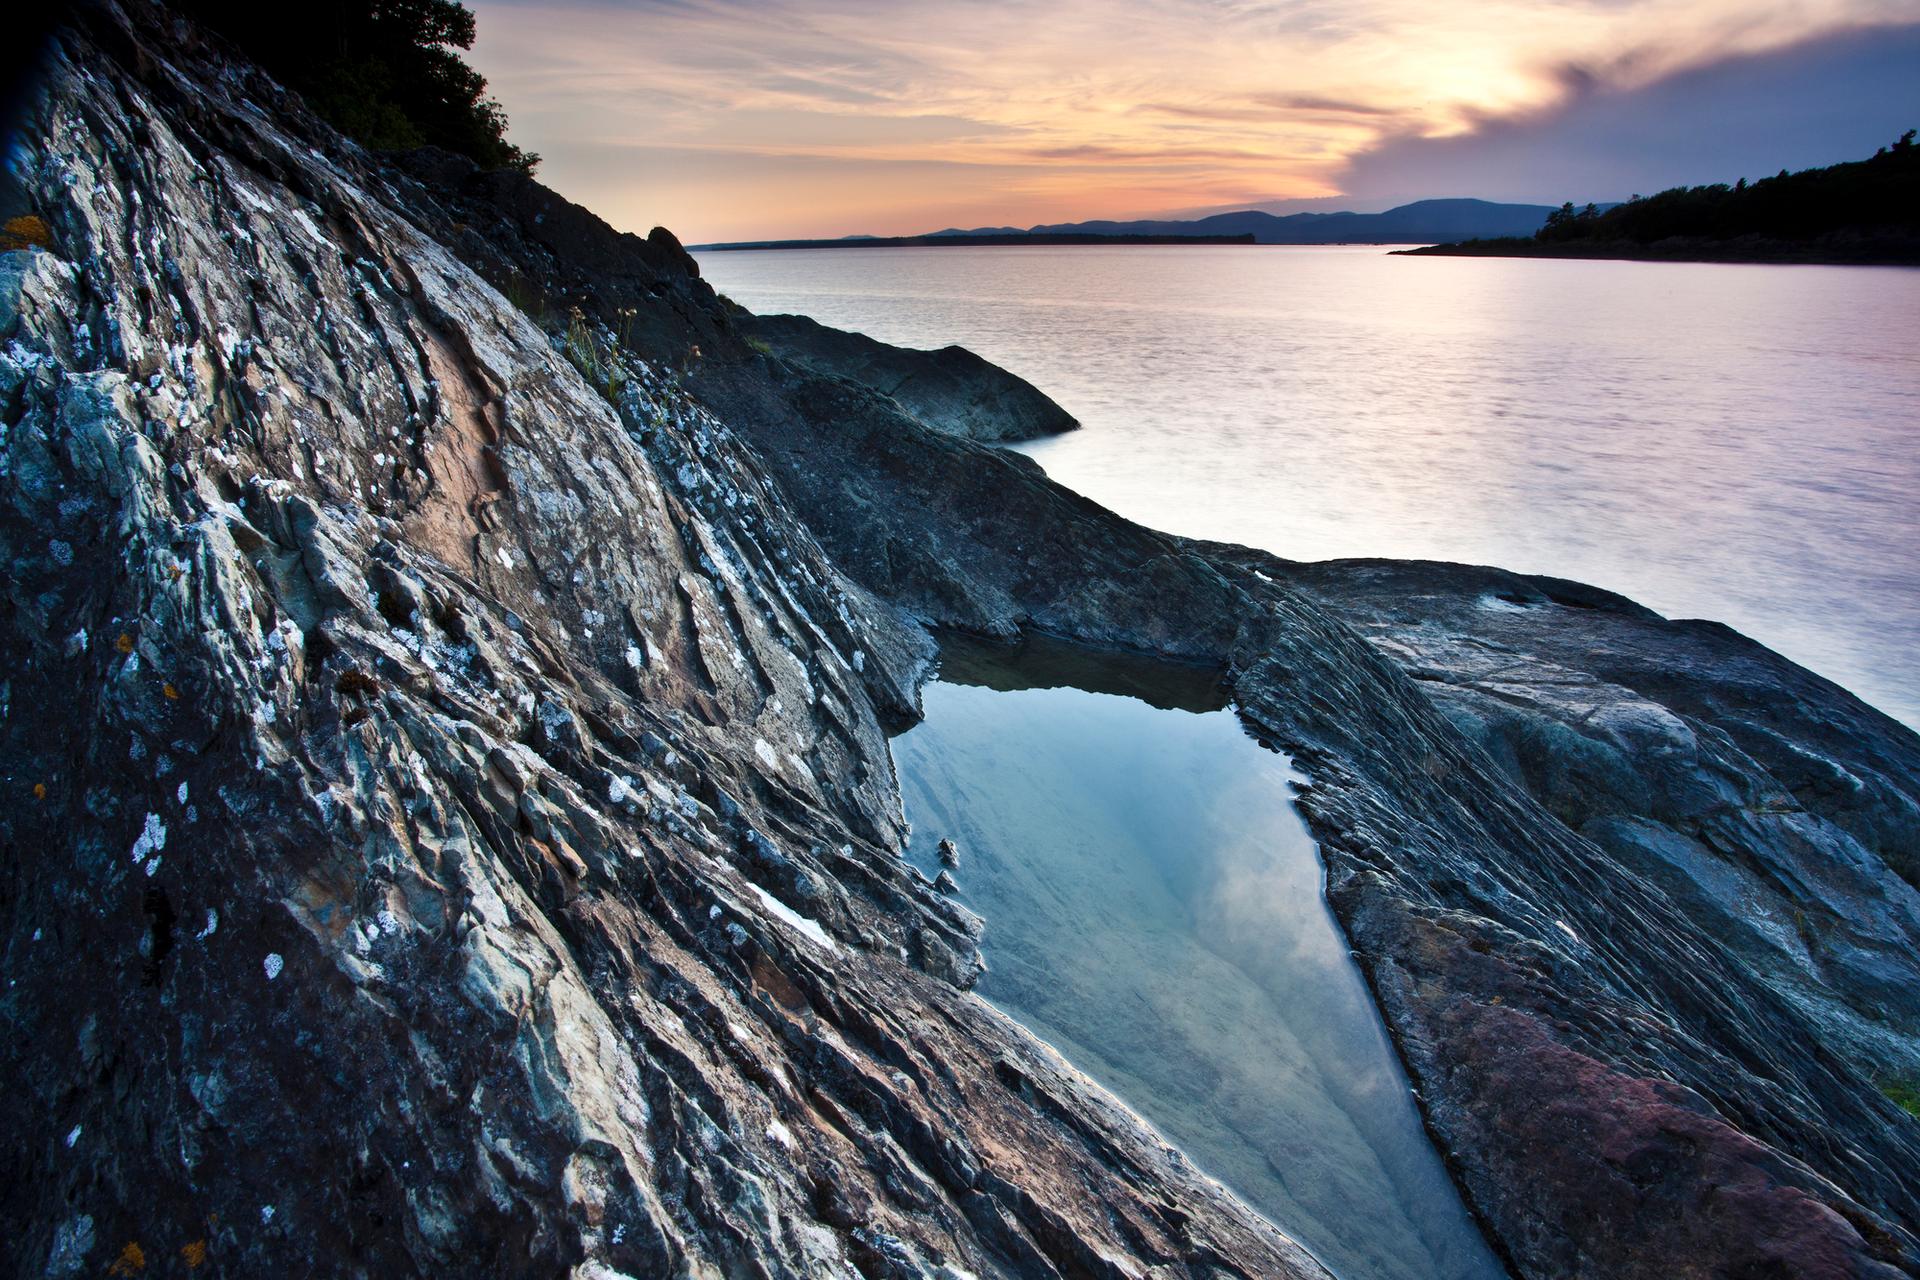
pixel 173 694
pixel 26 232
pixel 131 1262
pixel 194 1253
pixel 39 791
pixel 125 643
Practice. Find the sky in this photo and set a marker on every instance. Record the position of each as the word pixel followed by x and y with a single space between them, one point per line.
pixel 757 119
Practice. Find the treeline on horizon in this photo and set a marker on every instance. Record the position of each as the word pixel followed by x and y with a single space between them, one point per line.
pixel 387 73
pixel 1864 204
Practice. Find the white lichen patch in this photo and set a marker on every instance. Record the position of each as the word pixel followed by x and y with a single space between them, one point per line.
pixel 273 964
pixel 153 838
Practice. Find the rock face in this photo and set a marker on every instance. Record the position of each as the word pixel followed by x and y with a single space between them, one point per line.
pixel 446 664
pixel 1745 871
pixel 951 390
pixel 451 828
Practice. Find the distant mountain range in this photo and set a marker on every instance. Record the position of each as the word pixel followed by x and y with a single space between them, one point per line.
pixel 1422 222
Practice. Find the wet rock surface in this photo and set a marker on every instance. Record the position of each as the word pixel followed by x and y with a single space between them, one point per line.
pixel 446 664
pixel 951 389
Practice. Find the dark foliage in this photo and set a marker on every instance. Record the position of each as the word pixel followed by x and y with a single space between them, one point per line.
pixel 1879 196
pixel 386 72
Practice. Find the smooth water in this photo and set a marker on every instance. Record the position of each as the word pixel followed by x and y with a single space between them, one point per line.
pixel 1154 910
pixel 1739 443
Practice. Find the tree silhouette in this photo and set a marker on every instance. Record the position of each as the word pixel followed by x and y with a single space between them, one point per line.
pixel 385 72
pixel 1874 198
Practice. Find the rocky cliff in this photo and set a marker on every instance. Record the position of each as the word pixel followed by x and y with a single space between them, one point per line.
pixel 453 831
pixel 446 672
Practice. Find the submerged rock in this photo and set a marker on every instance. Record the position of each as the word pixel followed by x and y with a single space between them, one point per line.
pixel 446 672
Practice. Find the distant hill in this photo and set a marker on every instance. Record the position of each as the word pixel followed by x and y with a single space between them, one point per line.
pixel 967 239
pixel 1422 222
pixel 1863 212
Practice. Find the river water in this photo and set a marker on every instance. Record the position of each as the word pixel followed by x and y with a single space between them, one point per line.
pixel 1739 443
pixel 1154 911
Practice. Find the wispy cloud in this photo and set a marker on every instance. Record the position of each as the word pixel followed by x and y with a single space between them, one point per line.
pixel 1319 105
pixel 824 116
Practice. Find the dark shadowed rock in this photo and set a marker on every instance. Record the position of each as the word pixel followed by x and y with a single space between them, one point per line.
pixel 951 390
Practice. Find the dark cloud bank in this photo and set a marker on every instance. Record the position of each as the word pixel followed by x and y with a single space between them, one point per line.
pixel 1837 97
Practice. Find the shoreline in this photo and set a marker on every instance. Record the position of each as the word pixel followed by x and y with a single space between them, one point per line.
pixel 948 242
pixel 1769 254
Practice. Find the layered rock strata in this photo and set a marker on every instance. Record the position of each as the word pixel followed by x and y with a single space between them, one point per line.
pixel 447 665
pixel 451 829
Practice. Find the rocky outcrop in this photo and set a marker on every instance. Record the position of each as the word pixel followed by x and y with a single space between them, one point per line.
pixel 446 669
pixel 451 829
pixel 951 390
pixel 1752 830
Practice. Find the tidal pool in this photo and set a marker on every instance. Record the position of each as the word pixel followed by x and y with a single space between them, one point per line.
pixel 1154 911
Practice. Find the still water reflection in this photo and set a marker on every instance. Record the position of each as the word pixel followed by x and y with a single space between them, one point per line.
pixel 1739 443
pixel 1154 911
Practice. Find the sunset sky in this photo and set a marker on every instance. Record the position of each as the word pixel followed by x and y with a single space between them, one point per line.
pixel 727 120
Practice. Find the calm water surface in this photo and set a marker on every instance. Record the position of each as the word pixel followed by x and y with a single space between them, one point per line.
pixel 1739 443
pixel 1154 911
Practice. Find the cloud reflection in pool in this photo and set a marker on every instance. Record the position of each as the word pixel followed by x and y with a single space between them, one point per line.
pixel 1154 910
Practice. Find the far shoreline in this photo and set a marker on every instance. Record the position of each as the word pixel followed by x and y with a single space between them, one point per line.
pixel 1749 253
pixel 948 242
pixel 1048 241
